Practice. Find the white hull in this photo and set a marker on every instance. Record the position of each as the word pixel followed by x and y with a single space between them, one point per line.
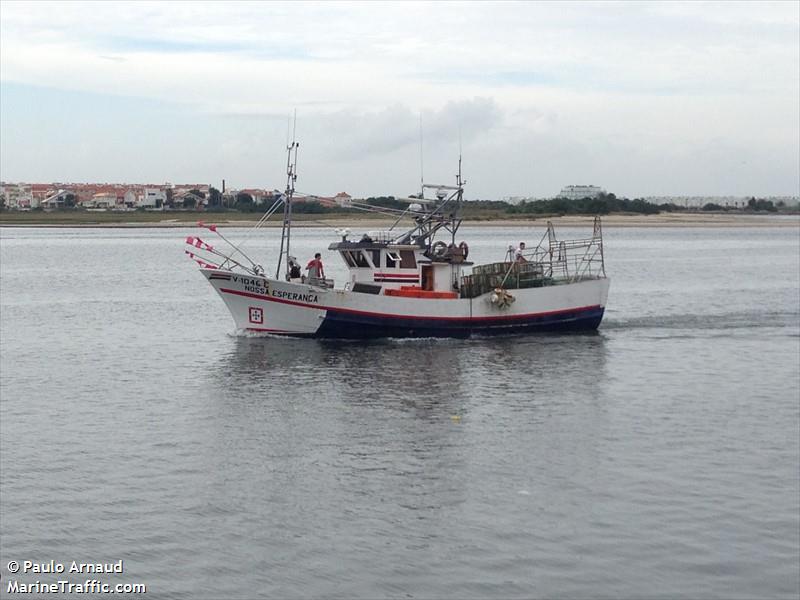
pixel 283 308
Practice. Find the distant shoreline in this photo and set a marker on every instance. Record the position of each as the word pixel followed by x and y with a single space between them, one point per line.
pixel 151 220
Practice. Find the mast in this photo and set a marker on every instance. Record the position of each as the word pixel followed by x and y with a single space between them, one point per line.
pixel 456 215
pixel 291 177
pixel 421 162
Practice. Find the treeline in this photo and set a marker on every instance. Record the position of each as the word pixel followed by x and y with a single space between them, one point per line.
pixel 609 203
pixel 245 203
pixel 753 205
pixel 600 205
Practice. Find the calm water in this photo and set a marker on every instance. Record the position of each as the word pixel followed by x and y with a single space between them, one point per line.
pixel 659 458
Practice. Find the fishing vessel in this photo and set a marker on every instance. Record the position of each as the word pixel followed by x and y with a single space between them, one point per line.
pixel 410 281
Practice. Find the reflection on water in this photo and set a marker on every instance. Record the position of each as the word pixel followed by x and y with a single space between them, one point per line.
pixel 432 375
pixel 398 454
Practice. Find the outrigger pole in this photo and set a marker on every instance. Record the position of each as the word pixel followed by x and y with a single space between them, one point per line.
pixel 291 177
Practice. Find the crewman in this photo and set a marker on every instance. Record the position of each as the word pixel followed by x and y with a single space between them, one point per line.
pixel 519 254
pixel 315 268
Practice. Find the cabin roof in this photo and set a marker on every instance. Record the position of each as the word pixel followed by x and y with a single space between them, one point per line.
pixel 372 245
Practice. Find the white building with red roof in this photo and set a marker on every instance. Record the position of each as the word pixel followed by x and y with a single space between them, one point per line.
pixel 343 199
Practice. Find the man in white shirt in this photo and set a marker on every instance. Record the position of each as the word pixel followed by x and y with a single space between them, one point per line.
pixel 518 255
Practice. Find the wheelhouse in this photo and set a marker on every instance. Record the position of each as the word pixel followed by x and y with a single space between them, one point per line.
pixel 379 265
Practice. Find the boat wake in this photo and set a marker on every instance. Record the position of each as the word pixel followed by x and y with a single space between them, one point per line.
pixel 249 333
pixel 726 321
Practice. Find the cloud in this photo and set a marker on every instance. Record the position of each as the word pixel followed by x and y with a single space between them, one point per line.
pixel 372 54
pixel 349 134
pixel 599 82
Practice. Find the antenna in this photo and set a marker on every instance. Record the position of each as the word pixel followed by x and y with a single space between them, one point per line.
pixel 295 145
pixel 421 162
pixel 291 165
pixel 294 126
pixel 458 177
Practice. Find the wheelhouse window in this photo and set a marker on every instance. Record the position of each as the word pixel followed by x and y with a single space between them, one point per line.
pixel 392 259
pixel 347 258
pixel 376 259
pixel 407 259
pixel 359 259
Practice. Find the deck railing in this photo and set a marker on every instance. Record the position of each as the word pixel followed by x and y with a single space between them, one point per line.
pixel 551 262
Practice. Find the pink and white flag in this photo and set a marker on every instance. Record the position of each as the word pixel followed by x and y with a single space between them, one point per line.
pixel 198 243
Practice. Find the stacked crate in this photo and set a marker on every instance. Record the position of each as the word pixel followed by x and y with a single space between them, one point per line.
pixel 486 278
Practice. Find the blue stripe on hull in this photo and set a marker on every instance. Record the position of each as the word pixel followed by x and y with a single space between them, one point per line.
pixel 352 326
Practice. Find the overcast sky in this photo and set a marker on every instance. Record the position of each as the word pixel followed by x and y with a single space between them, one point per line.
pixel 639 98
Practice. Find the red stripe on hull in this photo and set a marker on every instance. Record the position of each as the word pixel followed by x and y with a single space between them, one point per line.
pixel 397 281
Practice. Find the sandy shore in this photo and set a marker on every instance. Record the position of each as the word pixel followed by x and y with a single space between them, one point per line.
pixel 660 220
